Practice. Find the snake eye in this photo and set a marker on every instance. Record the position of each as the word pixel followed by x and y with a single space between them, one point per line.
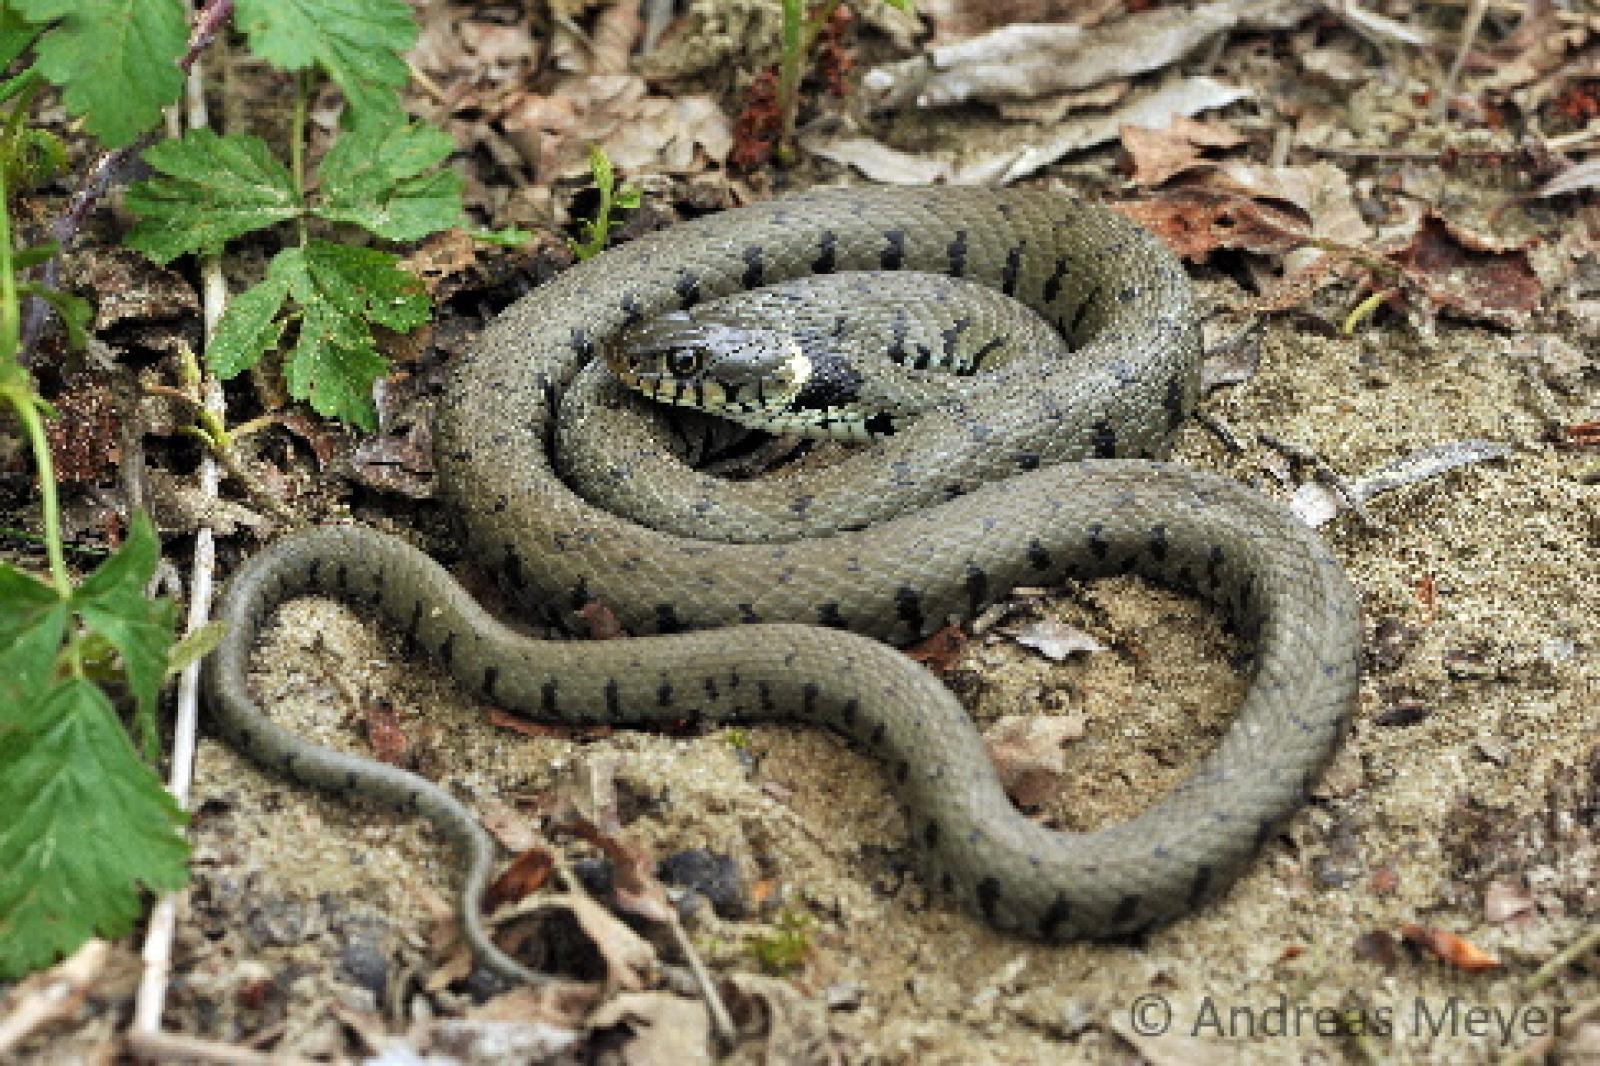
pixel 683 362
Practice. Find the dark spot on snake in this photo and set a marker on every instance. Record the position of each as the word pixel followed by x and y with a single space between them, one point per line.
pixel 415 623
pixel 664 694
pixel 1214 566
pixel 1128 295
pixel 1055 916
pixel 631 311
pixel 1098 546
pixel 988 897
pixel 1013 267
pixel 1157 543
pixel 687 288
pixel 898 332
pixel 1264 833
pixel 908 607
pixel 247 737
pixel 1175 404
pixel 511 570
pixel 712 693
pixel 1105 440
pixel 1127 908
pixel 801 504
pixel 947 884
pixel 341 576
pixel 764 694
pixel 1052 284
pixel 447 650
pixel 808 698
pixel 613 698
pixel 351 779
pixel 1081 311
pixel 880 424
pixel 1200 887
pixel 754 269
pixel 930 835
pixel 878 732
pixel 579 594
pixel 958 254
pixel 1028 461
pixel 977 588
pixel 828 615
pixel 491 677
pixel 827 257
pixel 894 251
pixel 747 614
pixel 581 343
pixel 501 502
pixel 847 713
pixel 952 335
pixel 547 697
pixel 667 619
pixel 902 770
pixel 1038 555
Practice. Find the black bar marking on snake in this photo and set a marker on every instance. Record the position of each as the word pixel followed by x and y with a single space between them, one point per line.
pixel 1052 284
pixel 447 650
pixel 1200 887
pixel 764 695
pixel 613 698
pixel 894 252
pixel 712 692
pixel 930 835
pixel 1104 440
pixel 687 288
pixel 1029 461
pixel 908 607
pixel 664 694
pixel 1127 908
pixel 1098 546
pixel 902 770
pixel 491 677
pixel 975 364
pixel 748 615
pixel 579 594
pixel 880 424
pixel 1011 271
pixel 827 257
pixel 581 344
pixel 848 712
pixel 958 254
pixel 1158 543
pixel 988 897
pixel 808 698
pixel 667 619
pixel 1055 916
pixel 341 577
pixel 547 697
pixel 828 615
pixel 632 313
pixel 415 624
pixel 878 733
pixel 1082 310
pixel 977 588
pixel 952 336
pixel 1038 554
pixel 1214 566
pixel 898 331
pixel 754 269
pixel 1176 405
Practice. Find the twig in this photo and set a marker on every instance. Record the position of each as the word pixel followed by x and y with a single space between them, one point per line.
pixel 1323 472
pixel 721 1020
pixel 172 1047
pixel 53 994
pixel 1469 33
pixel 144 1032
pixel 1574 951
pixel 97 180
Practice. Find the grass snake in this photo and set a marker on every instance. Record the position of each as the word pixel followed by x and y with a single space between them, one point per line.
pixel 1052 477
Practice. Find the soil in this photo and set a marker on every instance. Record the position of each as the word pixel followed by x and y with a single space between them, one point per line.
pixel 1472 776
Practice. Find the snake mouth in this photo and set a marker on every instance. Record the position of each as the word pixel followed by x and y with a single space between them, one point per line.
pixel 721 367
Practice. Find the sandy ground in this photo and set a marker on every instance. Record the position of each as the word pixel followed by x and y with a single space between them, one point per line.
pixel 1492 773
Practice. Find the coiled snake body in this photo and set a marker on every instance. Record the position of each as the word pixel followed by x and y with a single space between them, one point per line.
pixel 935 523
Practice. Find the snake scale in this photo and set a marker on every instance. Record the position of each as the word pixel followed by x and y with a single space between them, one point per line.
pixel 936 523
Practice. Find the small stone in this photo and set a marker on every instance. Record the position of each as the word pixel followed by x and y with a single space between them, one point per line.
pixel 596 876
pixel 277 921
pixel 844 996
pixel 714 876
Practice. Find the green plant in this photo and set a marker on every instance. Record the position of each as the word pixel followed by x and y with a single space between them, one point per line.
pixel 799 39
pixel 597 232
pixel 786 947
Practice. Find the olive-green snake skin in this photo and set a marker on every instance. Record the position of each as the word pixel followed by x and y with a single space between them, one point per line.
pixel 941 520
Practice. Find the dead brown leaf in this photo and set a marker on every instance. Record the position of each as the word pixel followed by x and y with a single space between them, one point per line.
pixel 940 651
pixel 1029 754
pixel 602 621
pixel 86 437
pixel 1507 898
pixel 663 1028
pixel 385 733
pixel 527 874
pixel 1160 154
pixel 634 884
pixel 1469 275
pixel 1460 953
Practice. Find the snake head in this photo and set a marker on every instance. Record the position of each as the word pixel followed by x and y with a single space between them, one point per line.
pixel 723 366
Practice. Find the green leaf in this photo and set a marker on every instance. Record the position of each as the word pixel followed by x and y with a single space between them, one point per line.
pixel 215 189
pixel 340 290
pixel 87 824
pixel 34 254
pixel 248 329
pixel 16 34
pixel 74 311
pixel 33 622
pixel 379 178
pixel 196 645
pixel 113 604
pixel 359 43
pixel 507 237
pixel 115 60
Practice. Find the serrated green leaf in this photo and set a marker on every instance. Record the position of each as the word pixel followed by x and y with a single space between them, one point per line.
pixel 112 602
pixel 214 189
pixel 340 290
pixel 33 622
pixel 359 43
pixel 378 178
pixel 115 60
pixel 249 327
pixel 87 828
pixel 16 34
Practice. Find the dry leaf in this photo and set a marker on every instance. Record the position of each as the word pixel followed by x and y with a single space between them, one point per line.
pixel 939 651
pixel 1460 953
pixel 666 1029
pixel 1056 640
pixel 1029 754
pixel 1507 898
pixel 1159 154
pixel 527 874
pixel 1470 275
pixel 384 732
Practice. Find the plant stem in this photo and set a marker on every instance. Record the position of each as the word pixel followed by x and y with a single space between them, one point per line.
pixel 26 406
pixel 297 145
